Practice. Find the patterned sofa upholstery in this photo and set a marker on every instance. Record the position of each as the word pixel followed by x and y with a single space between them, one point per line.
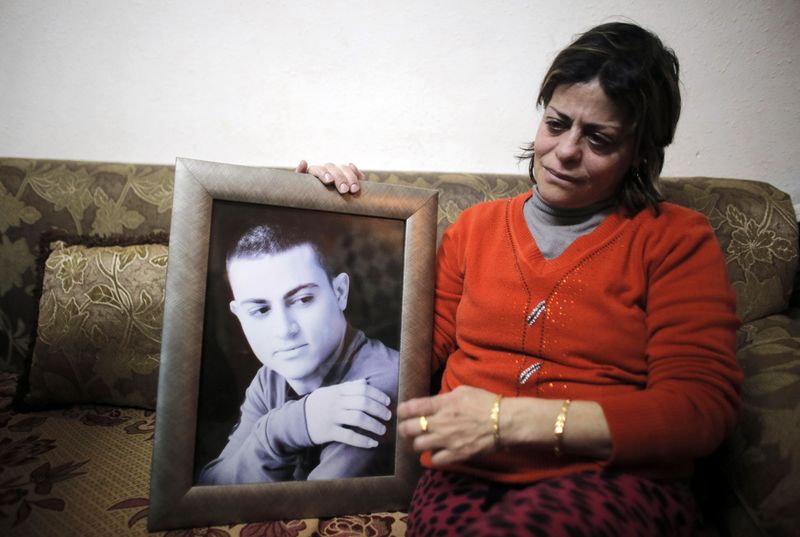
pixel 79 467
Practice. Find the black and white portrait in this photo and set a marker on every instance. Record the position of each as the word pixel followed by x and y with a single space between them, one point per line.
pixel 300 362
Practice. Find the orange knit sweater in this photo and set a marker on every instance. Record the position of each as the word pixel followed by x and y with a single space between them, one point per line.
pixel 637 315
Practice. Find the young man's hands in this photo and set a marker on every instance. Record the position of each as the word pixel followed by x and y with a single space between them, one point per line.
pixel 345 177
pixel 332 410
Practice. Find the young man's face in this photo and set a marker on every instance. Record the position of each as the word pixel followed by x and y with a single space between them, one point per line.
pixel 291 314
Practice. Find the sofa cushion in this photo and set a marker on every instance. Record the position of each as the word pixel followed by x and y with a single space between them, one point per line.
pixel 98 335
pixel 757 230
pixel 109 200
pixel 762 457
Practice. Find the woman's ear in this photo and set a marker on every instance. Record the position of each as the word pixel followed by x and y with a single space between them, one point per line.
pixel 234 308
pixel 341 288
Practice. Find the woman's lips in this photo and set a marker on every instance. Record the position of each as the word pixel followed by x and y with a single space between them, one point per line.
pixel 561 176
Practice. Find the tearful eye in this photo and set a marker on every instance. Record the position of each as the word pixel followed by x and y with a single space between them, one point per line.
pixel 555 125
pixel 599 141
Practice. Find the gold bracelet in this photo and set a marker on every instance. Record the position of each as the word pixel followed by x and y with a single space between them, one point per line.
pixel 561 422
pixel 496 419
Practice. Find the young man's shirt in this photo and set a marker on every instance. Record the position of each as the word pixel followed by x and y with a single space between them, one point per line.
pixel 271 441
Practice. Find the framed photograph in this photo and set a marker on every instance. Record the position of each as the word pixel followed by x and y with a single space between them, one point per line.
pixel 295 321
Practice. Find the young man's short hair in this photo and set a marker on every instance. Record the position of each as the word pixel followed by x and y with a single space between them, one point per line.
pixel 271 239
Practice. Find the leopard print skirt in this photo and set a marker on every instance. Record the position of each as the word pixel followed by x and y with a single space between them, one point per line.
pixel 600 503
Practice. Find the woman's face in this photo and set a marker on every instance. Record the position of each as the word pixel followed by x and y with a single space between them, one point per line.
pixel 584 147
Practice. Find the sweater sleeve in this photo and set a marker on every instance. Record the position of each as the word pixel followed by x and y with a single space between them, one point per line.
pixel 338 460
pixel 379 365
pixel 264 444
pixel 449 288
pixel 691 399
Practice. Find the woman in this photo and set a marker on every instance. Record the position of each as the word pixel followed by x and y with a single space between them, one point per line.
pixel 586 329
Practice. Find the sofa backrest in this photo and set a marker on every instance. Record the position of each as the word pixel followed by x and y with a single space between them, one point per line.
pixel 757 229
pixel 755 223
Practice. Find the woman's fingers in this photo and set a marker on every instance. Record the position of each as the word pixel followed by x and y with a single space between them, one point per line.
pixel 411 414
pixel 421 406
pixel 423 424
pixel 321 173
pixel 358 172
pixel 445 456
pixel 346 178
pixel 455 426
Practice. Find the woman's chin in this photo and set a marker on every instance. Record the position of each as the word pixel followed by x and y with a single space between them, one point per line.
pixel 561 194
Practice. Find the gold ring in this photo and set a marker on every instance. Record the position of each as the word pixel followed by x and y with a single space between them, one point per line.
pixel 423 424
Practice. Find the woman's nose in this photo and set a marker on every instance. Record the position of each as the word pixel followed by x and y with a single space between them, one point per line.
pixel 569 148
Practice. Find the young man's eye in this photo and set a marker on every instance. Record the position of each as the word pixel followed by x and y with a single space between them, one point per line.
pixel 260 311
pixel 302 300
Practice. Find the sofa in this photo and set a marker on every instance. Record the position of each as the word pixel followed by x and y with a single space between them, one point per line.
pixel 82 258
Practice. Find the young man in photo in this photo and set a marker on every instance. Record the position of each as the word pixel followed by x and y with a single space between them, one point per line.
pixel 321 405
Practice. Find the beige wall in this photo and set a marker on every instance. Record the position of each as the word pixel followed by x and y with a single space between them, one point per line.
pixel 424 85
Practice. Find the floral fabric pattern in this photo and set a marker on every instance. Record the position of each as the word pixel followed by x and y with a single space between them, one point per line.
pixel 77 198
pixel 15 260
pixel 99 328
pixel 761 461
pixel 27 480
pixel 757 229
pixel 51 463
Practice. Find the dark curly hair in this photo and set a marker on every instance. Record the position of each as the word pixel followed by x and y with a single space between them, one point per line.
pixel 640 74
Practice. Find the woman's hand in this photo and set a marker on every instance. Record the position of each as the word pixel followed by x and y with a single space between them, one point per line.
pixel 459 424
pixel 347 178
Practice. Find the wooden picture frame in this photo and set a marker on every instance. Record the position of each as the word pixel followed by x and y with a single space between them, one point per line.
pixel 204 191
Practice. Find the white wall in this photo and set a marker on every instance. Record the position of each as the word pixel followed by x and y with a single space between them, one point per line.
pixel 412 85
